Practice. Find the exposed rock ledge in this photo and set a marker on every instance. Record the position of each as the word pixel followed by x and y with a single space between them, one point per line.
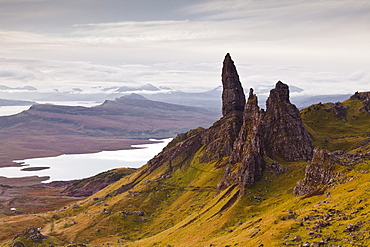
pixel 319 173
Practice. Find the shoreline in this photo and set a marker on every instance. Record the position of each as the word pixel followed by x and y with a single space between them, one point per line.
pixel 118 144
pixel 44 171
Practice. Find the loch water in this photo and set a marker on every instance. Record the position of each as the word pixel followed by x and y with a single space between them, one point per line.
pixel 77 166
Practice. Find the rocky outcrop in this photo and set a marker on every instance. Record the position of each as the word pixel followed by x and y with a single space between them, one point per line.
pixel 33 234
pixel 245 134
pixel 285 134
pixel 320 172
pixel 278 132
pixel 340 111
pixel 248 149
pixel 233 98
pixel 220 137
pixel 364 97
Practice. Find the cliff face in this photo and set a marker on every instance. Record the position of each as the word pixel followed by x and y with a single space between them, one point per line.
pixel 220 137
pixel 233 98
pixel 278 132
pixel 246 134
pixel 285 133
pixel 246 162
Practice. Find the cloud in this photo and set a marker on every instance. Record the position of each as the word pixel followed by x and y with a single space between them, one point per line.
pixel 150 31
pixel 357 76
pixel 65 75
pixel 311 44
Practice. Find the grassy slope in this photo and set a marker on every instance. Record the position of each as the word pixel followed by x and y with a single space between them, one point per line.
pixel 188 212
pixel 184 209
pixel 334 133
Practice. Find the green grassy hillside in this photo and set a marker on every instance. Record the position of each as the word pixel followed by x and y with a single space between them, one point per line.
pixel 347 130
pixel 188 212
pixel 178 203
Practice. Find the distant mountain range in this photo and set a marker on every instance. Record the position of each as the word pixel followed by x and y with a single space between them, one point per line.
pixel 29 88
pixel 7 102
pixel 208 99
pixel 50 130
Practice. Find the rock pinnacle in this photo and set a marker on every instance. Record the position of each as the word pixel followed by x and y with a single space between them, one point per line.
pixel 233 98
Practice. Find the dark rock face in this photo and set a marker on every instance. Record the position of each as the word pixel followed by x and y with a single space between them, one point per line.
pixel 248 149
pixel 220 137
pixel 319 172
pixel 183 149
pixel 278 132
pixel 233 98
pixel 245 134
pixel 285 133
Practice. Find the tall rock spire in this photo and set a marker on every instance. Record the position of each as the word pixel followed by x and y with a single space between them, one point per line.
pixel 246 162
pixel 220 137
pixel 233 98
pixel 240 141
pixel 277 133
pixel 287 137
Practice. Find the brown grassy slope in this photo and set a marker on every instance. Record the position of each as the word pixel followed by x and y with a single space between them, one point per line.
pixel 33 199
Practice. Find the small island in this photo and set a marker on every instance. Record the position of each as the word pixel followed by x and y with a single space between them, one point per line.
pixel 33 169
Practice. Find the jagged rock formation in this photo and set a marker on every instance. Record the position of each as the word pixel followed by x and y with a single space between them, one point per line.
pixel 220 137
pixel 285 133
pixel 233 98
pixel 32 233
pixel 278 132
pixel 320 172
pixel 244 135
pixel 248 149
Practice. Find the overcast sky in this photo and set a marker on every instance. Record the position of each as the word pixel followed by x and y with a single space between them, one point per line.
pixel 322 46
